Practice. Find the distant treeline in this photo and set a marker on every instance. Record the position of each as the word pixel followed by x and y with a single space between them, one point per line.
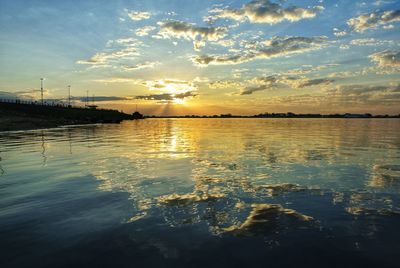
pixel 284 115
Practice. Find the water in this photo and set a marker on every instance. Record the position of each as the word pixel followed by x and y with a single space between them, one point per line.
pixel 202 193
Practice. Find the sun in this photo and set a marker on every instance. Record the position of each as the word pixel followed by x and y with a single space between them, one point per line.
pixel 178 101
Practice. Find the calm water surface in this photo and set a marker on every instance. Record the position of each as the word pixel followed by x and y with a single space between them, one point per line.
pixel 202 193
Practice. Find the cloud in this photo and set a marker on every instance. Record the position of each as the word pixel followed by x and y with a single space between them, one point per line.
pixel 123 48
pixel 167 96
pixel 373 20
pixel 309 69
pixel 251 89
pixel 275 47
pixel 370 42
pixel 387 58
pixel 144 65
pixel 169 90
pixel 179 29
pixel 170 85
pixel 250 86
pixel 104 58
pixel 264 11
pixel 100 98
pixel 304 82
pixel 339 33
pixel 296 82
pixel 28 94
pixel 97 59
pixel 144 30
pixel 351 95
pixel 225 84
pixel 118 80
pixel 366 94
pixel 139 15
pixel 204 60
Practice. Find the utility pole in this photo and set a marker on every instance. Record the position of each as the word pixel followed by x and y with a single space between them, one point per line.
pixel 87 98
pixel 69 95
pixel 41 89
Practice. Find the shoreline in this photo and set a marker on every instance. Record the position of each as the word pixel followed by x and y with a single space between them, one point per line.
pixel 40 124
pixel 15 116
pixel 31 125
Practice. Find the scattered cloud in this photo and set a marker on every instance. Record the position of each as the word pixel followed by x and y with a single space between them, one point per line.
pixel 180 29
pixel 370 42
pixel 339 33
pixel 225 84
pixel 123 48
pixel 248 87
pixel 170 86
pixel 28 94
pixel 249 90
pixel 275 47
pixel 387 58
pixel 143 31
pixel 118 80
pixel 373 20
pixel 168 96
pixel 264 11
pixel 350 95
pixel 139 15
pixel 101 98
pixel 144 65
pixel 309 69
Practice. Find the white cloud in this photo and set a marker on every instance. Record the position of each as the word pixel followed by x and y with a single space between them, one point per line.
pixel 144 65
pixel 387 58
pixel 139 15
pixel 144 30
pixel 264 11
pixel 370 42
pixel 373 20
pixel 180 29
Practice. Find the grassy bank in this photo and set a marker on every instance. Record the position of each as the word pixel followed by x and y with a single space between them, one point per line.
pixel 15 116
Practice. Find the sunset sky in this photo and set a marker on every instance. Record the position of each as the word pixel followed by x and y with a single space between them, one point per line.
pixel 175 57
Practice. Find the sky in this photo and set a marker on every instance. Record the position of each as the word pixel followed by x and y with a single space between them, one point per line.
pixel 178 57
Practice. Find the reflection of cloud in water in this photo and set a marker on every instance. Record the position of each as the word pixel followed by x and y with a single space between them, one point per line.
pixel 185 199
pixel 197 171
pixel 267 218
pixel 279 189
pixel 385 176
pixel 365 203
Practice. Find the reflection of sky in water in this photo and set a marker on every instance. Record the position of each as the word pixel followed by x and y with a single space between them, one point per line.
pixel 221 177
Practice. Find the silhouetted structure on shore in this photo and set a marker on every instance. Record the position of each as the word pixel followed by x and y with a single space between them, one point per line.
pixel 137 115
pixel 20 115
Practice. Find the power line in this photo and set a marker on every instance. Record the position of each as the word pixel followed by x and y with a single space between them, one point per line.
pixel 41 88
pixel 69 95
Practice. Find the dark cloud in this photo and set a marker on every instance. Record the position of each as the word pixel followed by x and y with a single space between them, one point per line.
pixel 313 82
pixel 100 98
pixel 167 96
pixel 275 47
pixel 250 90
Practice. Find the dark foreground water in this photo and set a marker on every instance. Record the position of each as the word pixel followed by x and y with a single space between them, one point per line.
pixel 202 193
